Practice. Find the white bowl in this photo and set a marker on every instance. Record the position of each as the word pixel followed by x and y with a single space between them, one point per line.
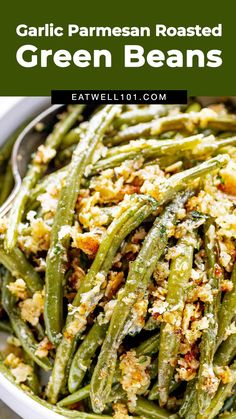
pixel 25 109
pixel 12 396
pixel 16 399
pixel 22 404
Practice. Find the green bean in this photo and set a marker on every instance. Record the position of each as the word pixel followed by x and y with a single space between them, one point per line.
pixel 189 407
pixel 34 204
pixel 179 181
pixel 83 357
pixel 137 210
pixel 146 129
pixel 7 184
pixel 64 156
pixel 138 115
pixel 8 375
pixel 224 142
pixel 5 326
pixel 33 383
pixel 145 149
pixel 180 272
pixel 19 266
pixel 64 216
pixel 153 369
pixel 193 107
pixel 130 133
pixel 57 409
pixel 223 357
pixel 226 352
pixel 21 330
pixel 229 415
pixel 223 392
pixel 61 174
pixel 153 149
pixel 147 409
pixel 150 346
pixel 135 287
pixel 210 145
pixel 86 351
pixel 71 138
pixel 154 392
pixel 143 407
pixel 54 178
pixel 227 310
pixel 1 181
pixel 139 207
pixel 190 121
pixel 207 147
pixel 6 372
pixel 131 117
pixel 222 123
pixel 63 126
pixel 34 173
pixel 147 348
pixel 117 393
pixel 187 121
pixel 80 415
pixel 204 147
pixel 230 403
pixel 77 359
pixel 115 160
pixel 174 184
pixel 208 342
pixel 32 379
pixel 165 161
pixel 77 396
pixel 193 409
pixel 156 147
pixel 152 324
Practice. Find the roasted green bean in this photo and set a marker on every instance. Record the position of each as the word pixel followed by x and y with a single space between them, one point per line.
pixel 21 330
pixel 64 216
pixel 138 209
pixel 117 264
pixel 223 392
pixel 135 287
pixel 84 355
pixel 227 309
pixel 208 342
pixel 180 272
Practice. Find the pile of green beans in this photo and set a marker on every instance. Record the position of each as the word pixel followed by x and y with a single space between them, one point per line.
pixel 133 313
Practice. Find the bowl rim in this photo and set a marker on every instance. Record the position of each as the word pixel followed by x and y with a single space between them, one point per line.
pixel 17 399
pixel 14 396
pixel 27 107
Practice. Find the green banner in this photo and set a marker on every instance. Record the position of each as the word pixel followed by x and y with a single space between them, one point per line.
pixel 117 45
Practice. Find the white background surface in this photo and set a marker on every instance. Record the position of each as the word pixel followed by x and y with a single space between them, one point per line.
pixel 6 413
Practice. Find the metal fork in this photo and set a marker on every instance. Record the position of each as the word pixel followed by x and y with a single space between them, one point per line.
pixel 27 142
